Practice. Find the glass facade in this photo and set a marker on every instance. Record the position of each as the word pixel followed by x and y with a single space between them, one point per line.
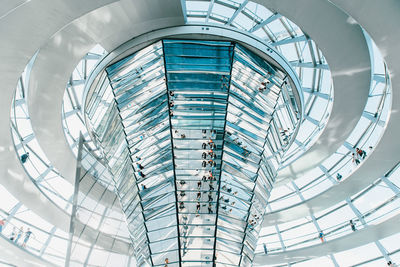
pixel 193 133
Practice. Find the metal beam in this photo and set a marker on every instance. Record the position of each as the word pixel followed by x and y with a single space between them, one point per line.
pixel 298 191
pixel 391 185
pixel 12 213
pixel 382 250
pixel 313 121
pixel 46 244
pixel 379 78
pixel 300 144
pixel 75 201
pixel 334 260
pixel 349 146
pixel 314 220
pixel 373 118
pixel 310 65
pixel 301 38
pixel 92 56
pixel 210 7
pixel 328 175
pixel 356 212
pixel 237 12
pixel 265 22
pixel 280 237
pixel 183 4
pixel 222 162
pixel 97 237
pixel 316 93
pixel 173 156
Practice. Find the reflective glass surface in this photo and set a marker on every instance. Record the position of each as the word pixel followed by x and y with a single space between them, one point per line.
pixel 193 133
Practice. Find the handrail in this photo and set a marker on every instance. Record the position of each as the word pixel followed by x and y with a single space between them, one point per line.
pixel 364 139
pixel 334 231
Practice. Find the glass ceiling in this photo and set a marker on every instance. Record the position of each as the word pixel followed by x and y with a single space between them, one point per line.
pixel 193 140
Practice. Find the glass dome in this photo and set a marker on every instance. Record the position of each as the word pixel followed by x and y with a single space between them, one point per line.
pixel 352 200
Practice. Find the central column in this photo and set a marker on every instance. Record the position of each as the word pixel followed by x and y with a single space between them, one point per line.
pixel 193 133
pixel 198 77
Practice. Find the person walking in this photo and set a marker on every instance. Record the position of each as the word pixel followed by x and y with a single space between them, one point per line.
pixel 213 134
pixel 139 166
pixel 321 236
pixel 353 227
pixel 28 234
pixel 13 233
pixel 265 249
pixel 355 159
pixel 361 153
pixel 19 234
pixel 24 157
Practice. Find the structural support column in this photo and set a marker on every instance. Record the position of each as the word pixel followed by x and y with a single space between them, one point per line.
pixel 74 201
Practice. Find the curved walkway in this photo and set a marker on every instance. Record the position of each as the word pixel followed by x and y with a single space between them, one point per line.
pixel 385 154
pixel 18 256
pixel 45 112
pixel 73 43
pixel 356 239
pixel 16 50
pixel 346 51
pixel 45 94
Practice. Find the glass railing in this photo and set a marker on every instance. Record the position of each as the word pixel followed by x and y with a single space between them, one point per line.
pixel 365 136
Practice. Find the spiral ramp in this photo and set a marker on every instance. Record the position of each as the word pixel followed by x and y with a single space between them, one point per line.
pixel 58 34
